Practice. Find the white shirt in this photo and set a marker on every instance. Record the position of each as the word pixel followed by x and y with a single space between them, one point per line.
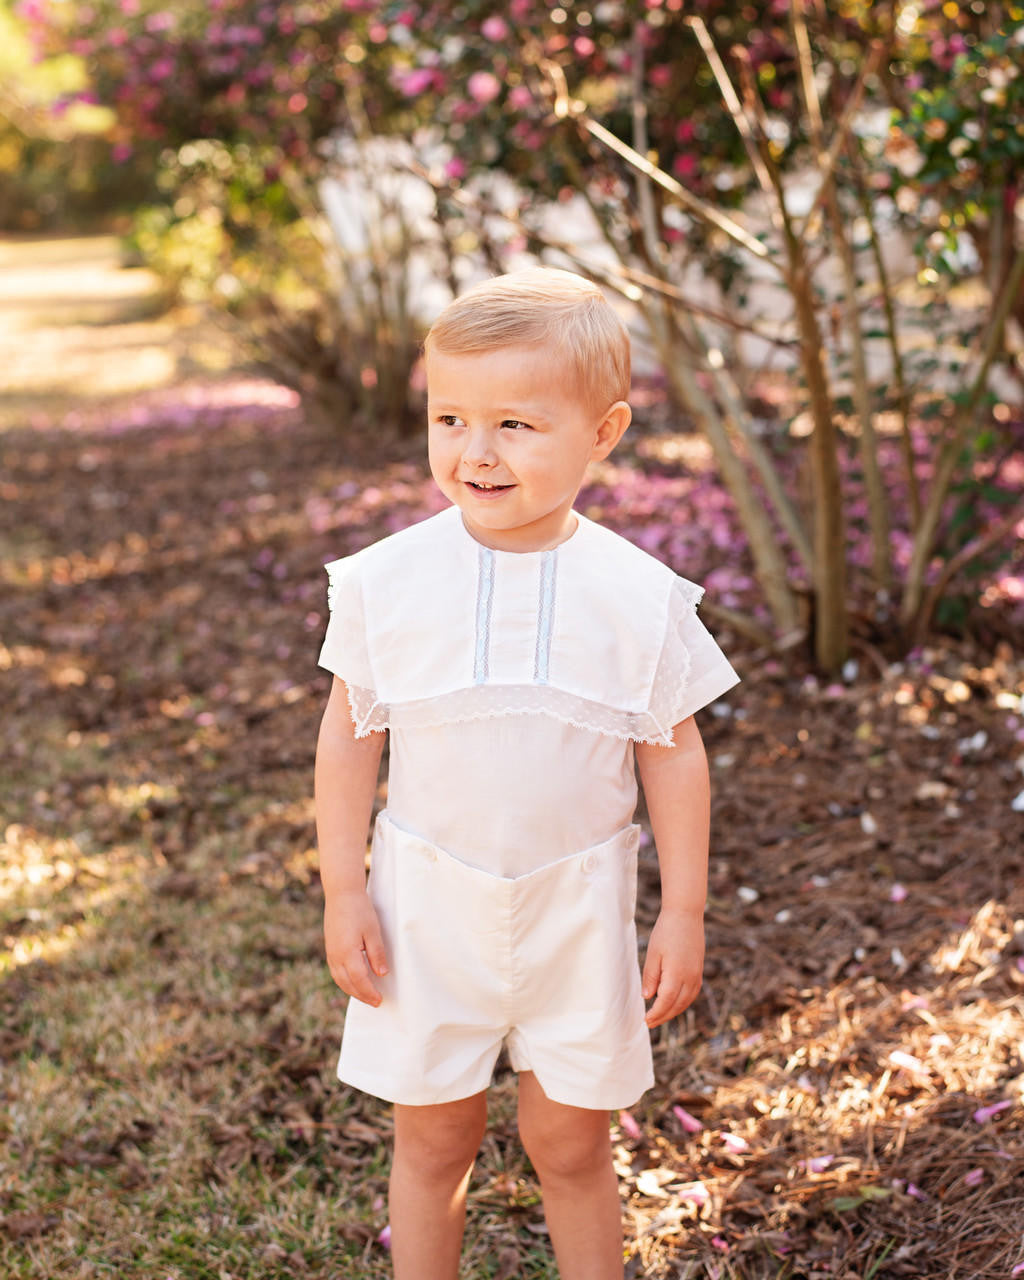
pixel 514 684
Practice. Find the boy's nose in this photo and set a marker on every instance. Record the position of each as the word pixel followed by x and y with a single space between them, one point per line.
pixel 479 449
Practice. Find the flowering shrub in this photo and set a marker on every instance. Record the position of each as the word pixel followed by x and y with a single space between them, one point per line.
pixel 269 75
pixel 664 117
pixel 961 138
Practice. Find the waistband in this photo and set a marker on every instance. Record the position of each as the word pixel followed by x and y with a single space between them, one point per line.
pixel 616 850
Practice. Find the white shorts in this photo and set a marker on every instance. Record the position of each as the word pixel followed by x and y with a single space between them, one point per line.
pixel 545 964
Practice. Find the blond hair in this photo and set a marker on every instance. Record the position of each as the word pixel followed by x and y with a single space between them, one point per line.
pixel 542 307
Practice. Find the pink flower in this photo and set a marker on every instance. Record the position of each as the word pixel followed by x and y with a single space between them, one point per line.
pixel 690 1123
pixel 413 83
pixel 975 1177
pixel 385 1237
pixel 455 169
pixel 494 28
pixel 629 1126
pixel 162 21
pixel 520 98
pixel 685 165
pixel 483 87
pixel 984 1114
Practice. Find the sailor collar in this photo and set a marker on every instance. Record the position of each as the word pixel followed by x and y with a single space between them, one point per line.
pixel 433 627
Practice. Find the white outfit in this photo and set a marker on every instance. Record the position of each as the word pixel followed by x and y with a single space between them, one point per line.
pixel 514 686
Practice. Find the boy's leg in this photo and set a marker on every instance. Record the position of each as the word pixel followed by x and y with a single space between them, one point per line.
pixel 571 1151
pixel 434 1152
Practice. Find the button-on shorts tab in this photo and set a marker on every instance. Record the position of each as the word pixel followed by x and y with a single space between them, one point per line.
pixel 545 963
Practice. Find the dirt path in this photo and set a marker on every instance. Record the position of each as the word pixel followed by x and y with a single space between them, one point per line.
pixel 78 327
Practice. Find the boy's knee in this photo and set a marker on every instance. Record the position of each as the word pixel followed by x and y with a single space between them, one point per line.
pixel 437 1142
pixel 568 1150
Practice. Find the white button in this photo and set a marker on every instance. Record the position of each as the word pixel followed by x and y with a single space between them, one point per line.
pixel 589 862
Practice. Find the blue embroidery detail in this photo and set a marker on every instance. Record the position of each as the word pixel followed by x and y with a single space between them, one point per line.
pixel 545 616
pixel 484 601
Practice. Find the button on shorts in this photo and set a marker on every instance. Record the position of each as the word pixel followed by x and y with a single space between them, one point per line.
pixel 545 964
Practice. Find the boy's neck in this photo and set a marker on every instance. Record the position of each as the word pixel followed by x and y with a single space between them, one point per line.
pixel 523 540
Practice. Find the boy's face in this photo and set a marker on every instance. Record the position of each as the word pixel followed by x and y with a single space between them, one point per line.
pixel 509 442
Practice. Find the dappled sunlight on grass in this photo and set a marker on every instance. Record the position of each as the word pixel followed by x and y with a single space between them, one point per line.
pixel 53 894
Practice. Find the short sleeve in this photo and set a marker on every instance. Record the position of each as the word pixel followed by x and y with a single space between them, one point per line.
pixel 345 652
pixel 692 670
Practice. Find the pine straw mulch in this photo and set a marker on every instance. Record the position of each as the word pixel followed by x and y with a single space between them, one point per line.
pixel 845 1099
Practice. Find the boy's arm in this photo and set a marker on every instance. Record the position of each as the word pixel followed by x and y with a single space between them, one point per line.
pixel 345 784
pixel 677 790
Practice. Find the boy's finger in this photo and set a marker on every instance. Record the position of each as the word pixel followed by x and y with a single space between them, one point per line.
pixel 688 992
pixel 373 952
pixel 672 1001
pixel 358 981
pixel 652 976
pixel 660 1010
pixel 367 992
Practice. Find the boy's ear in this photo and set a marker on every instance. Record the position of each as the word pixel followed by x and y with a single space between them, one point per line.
pixel 612 429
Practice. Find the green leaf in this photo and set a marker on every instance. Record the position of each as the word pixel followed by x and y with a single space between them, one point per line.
pixel 845 1204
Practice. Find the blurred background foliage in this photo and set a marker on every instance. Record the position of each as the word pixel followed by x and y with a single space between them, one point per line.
pixel 309 170
pixel 57 170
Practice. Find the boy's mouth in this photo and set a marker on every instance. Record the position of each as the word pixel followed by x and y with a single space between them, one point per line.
pixel 481 486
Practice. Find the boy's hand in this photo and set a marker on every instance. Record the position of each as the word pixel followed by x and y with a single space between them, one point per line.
pixel 355 947
pixel 674 964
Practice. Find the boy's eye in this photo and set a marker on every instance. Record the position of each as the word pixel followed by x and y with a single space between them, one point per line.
pixel 515 424
pixel 448 419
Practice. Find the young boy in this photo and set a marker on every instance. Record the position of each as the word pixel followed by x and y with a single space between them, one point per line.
pixel 519 655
